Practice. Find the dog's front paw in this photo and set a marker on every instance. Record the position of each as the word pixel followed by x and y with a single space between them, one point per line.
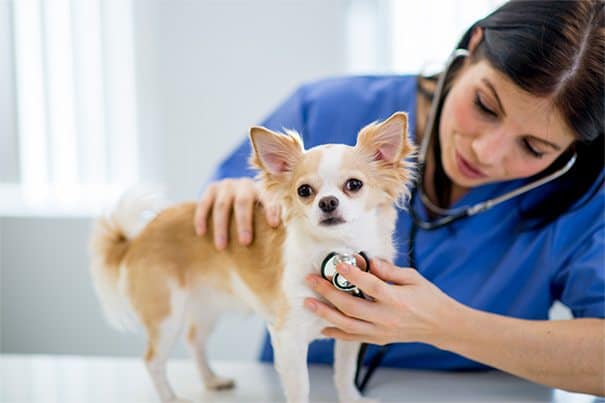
pixel 220 383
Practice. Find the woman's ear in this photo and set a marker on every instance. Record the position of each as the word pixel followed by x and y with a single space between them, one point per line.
pixel 476 38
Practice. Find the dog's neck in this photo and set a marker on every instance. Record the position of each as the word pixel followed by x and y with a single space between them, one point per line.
pixel 305 248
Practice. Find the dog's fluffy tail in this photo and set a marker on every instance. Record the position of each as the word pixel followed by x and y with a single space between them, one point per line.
pixel 111 237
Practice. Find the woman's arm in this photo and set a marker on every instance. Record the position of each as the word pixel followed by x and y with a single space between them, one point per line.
pixel 567 354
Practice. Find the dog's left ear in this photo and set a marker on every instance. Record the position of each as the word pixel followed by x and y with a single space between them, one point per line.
pixel 386 141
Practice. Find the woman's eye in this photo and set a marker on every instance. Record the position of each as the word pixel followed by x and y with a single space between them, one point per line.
pixel 531 150
pixel 353 185
pixel 305 191
pixel 482 108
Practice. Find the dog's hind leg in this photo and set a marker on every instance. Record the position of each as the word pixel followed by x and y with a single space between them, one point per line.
pixel 162 337
pixel 200 327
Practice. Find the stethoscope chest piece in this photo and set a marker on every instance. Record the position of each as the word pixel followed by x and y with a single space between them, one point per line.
pixel 328 271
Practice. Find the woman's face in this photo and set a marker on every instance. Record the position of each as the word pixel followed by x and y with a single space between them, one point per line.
pixel 491 130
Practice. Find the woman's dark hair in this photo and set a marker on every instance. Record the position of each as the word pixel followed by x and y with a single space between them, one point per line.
pixel 550 49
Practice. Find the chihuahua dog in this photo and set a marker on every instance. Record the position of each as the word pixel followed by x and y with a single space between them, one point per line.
pixel 150 267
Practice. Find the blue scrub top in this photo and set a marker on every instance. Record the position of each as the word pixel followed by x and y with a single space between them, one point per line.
pixel 485 261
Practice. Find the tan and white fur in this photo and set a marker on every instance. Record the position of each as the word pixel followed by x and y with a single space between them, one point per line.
pixel 150 267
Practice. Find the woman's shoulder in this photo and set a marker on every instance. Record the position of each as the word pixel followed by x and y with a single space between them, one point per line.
pixel 578 241
pixel 582 222
pixel 335 109
pixel 378 81
pixel 361 89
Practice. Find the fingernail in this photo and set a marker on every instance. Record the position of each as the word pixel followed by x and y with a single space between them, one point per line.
pixel 221 242
pixel 245 237
pixel 343 268
pixel 310 305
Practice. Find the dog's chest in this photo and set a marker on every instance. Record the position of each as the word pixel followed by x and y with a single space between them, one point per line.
pixel 303 256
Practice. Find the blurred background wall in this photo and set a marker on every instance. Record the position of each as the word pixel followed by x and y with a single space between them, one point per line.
pixel 204 71
pixel 98 94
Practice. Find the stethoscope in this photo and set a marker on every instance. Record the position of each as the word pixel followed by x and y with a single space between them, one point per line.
pixel 446 216
pixel 328 271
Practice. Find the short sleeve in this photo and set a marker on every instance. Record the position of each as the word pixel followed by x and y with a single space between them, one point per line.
pixel 580 284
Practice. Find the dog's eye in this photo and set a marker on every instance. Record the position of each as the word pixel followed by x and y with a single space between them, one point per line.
pixel 305 191
pixel 353 185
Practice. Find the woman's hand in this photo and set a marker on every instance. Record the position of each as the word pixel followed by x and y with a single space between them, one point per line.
pixel 405 307
pixel 229 197
pixel 564 354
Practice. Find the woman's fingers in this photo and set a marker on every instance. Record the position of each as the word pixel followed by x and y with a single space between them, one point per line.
pixel 202 209
pixel 366 281
pixel 222 199
pixel 397 275
pixel 336 333
pixel 346 323
pixel 346 303
pixel 221 212
pixel 272 209
pixel 273 214
pixel 243 210
pixel 360 262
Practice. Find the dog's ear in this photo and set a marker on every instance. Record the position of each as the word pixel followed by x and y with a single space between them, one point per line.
pixel 274 153
pixel 386 141
pixel 387 147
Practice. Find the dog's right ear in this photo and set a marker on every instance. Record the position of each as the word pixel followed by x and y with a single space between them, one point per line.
pixel 274 153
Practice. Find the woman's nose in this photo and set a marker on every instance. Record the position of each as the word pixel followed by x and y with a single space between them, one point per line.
pixel 490 147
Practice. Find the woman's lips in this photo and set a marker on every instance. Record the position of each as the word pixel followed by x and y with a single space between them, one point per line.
pixel 468 170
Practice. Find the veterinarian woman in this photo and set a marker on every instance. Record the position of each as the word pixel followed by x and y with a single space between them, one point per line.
pixel 517 123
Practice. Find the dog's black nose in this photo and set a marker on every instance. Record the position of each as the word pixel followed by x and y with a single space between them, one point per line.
pixel 328 204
